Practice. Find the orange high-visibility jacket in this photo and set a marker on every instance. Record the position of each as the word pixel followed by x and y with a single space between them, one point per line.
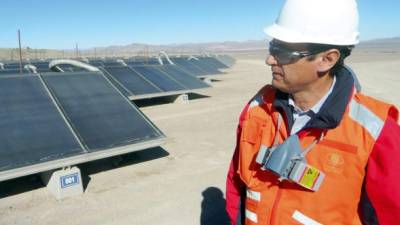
pixel 359 154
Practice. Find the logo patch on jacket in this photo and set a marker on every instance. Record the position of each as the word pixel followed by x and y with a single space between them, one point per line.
pixel 334 163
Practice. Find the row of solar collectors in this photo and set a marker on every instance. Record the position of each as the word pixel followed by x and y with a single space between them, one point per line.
pixel 41 67
pixel 54 120
pixel 115 62
pixel 137 82
pixel 199 67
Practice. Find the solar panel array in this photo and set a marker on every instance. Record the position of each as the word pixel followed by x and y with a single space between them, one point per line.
pixel 50 120
pixel 196 66
pixel 138 82
pixel 45 120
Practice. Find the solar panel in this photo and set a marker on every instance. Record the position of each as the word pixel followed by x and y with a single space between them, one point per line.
pixel 97 63
pixel 70 68
pixel 136 63
pixel 207 67
pixel 158 78
pixel 213 61
pixel 12 72
pixel 31 128
pixel 42 67
pixel 189 81
pixel 99 114
pixel 226 60
pixel 12 66
pixel 186 65
pixel 130 82
pixel 111 63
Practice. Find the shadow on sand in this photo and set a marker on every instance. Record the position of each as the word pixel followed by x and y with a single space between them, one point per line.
pixel 213 208
pixel 32 182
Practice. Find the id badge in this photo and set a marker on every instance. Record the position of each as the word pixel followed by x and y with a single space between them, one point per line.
pixel 306 176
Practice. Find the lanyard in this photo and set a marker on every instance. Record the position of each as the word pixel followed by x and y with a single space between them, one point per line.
pixel 306 150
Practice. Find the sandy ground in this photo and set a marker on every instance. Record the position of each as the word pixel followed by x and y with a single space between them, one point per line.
pixel 182 182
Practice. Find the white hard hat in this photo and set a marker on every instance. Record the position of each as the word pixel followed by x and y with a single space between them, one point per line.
pixel 332 22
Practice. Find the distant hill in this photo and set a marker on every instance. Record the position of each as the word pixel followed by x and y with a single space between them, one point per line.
pixel 379 45
pixel 382 45
pixel 393 40
pixel 189 47
pixel 385 44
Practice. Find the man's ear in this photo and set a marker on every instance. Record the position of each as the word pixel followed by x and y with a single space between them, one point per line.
pixel 327 60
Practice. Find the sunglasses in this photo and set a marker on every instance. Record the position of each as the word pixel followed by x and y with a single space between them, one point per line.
pixel 284 55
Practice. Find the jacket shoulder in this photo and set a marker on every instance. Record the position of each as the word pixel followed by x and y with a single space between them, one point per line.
pixel 265 96
pixel 380 108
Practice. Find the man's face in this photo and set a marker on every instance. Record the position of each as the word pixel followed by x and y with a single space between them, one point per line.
pixel 294 75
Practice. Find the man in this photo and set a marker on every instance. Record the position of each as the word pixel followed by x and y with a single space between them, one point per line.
pixel 311 148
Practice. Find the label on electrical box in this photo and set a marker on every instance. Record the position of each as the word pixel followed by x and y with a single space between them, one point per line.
pixel 69 180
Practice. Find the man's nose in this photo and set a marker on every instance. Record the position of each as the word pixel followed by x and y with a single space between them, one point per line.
pixel 270 60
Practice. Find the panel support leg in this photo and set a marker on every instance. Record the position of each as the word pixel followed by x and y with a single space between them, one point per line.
pixel 63 183
pixel 182 99
pixel 208 80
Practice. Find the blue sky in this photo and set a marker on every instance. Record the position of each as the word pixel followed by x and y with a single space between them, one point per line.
pixel 60 24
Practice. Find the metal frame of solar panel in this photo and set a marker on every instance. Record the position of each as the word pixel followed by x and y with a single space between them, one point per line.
pixel 61 119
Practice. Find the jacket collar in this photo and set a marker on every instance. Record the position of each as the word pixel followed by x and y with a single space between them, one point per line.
pixel 331 112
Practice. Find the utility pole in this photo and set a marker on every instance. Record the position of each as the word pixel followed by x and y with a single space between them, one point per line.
pixel 76 51
pixel 20 52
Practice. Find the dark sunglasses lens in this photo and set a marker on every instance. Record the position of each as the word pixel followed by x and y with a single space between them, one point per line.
pixel 282 56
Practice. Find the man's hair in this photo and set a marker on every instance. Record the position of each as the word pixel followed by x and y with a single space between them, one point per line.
pixel 344 52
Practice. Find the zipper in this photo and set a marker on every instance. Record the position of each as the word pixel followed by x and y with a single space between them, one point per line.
pixel 275 205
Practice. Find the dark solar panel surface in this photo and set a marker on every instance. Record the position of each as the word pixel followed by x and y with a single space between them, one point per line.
pixel 226 60
pixel 99 114
pixel 97 64
pixel 42 67
pixel 215 62
pixel 118 85
pixel 135 63
pixel 12 72
pixel 189 81
pixel 70 68
pixel 111 63
pixel 163 81
pixel 207 67
pixel 12 66
pixel 190 67
pixel 31 128
pixel 143 62
pixel 131 80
